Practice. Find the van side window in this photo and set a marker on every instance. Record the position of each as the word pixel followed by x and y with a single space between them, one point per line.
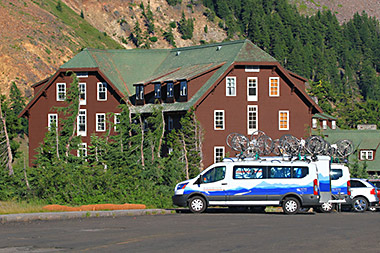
pixel 248 172
pixel 336 174
pixel 214 175
pixel 279 172
pixel 300 172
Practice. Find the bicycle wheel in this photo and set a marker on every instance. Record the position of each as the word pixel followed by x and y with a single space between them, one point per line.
pixel 290 144
pixel 345 148
pixel 315 145
pixel 229 139
pixel 239 142
pixel 264 145
pixel 257 134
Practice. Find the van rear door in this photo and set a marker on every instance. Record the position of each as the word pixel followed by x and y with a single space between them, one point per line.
pixel 324 180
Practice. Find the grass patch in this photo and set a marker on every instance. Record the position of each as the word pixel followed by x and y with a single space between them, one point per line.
pixel 11 207
pixel 89 36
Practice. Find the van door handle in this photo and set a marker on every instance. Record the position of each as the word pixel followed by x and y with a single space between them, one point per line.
pixel 224 183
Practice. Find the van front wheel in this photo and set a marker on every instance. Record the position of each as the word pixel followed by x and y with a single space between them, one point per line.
pixel 291 206
pixel 197 204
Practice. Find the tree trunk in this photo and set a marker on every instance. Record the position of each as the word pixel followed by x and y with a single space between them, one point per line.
pixel 25 176
pixel 186 160
pixel 74 130
pixel 162 135
pixel 9 151
pixel 142 142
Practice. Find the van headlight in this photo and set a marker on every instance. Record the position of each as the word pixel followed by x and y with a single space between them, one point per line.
pixel 181 186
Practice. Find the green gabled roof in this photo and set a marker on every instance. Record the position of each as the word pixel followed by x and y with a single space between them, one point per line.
pixel 122 67
pixel 361 139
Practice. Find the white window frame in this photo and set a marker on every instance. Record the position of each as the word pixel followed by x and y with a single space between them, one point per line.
pixel 61 91
pixel 82 114
pixel 252 109
pixel 116 121
pixel 366 155
pixel 333 125
pixel 82 101
pixel 82 74
pixel 100 87
pixel 287 120
pixel 98 115
pixel 170 123
pixel 278 86
pixel 217 120
pixel 82 146
pixel 324 124
pixel 231 89
pixel 252 97
pixel 219 149
pixel 314 123
pixel 252 68
pixel 50 121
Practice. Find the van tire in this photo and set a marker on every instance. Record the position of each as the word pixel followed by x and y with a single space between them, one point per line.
pixel 326 208
pixel 360 204
pixel 291 205
pixel 197 204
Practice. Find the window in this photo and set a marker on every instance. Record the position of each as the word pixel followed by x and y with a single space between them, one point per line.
pixel 52 120
pixel 314 123
pixel 139 92
pixel 324 124
pixel 82 74
pixel 333 124
pixel 274 87
pixel 100 122
pixel 82 93
pixel 356 184
pixel 300 172
pixel 214 175
pixel 82 122
pixel 366 155
pixel 336 174
pixel 248 172
pixel 116 121
pixel 61 91
pixel 218 154
pixel 230 86
pixel 279 172
pixel 183 88
pixel 82 150
pixel 170 90
pixel 219 120
pixel 102 91
pixel 252 89
pixel 170 123
pixel 249 68
pixel 157 90
pixel 252 117
pixel 283 120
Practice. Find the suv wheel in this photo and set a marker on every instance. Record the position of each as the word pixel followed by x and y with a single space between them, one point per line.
pixel 360 204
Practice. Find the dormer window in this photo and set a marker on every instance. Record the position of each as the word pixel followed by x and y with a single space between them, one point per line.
pixel 183 88
pixel 139 92
pixel 157 90
pixel 170 90
pixel 333 124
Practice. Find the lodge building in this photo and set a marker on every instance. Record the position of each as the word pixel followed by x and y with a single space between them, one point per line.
pixel 233 87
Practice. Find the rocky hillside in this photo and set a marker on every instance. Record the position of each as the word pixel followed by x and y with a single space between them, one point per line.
pixel 35 40
pixel 343 9
pixel 118 19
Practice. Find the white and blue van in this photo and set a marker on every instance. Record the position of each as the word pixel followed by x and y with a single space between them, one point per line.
pixel 270 181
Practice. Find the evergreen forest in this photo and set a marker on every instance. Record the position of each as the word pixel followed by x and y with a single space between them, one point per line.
pixel 342 61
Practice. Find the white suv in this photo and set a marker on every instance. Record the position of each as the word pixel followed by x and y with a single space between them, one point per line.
pixel 363 195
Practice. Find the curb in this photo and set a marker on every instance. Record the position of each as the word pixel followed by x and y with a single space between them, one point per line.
pixel 24 217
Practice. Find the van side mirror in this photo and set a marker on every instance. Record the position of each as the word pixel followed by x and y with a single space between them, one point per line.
pixel 198 181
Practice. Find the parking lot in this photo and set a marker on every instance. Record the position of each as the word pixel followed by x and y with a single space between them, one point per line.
pixel 215 231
